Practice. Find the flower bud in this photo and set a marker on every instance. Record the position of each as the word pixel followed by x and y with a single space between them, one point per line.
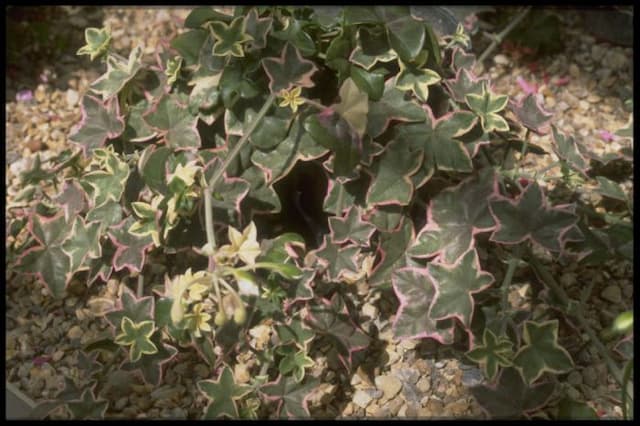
pixel 220 318
pixel 240 315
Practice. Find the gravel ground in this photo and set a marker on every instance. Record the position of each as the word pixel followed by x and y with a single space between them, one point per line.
pixel 587 85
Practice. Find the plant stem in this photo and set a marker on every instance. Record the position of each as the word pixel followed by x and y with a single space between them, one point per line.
pixel 626 375
pixel 497 39
pixel 525 145
pixel 549 281
pixel 314 103
pixel 506 283
pixel 140 291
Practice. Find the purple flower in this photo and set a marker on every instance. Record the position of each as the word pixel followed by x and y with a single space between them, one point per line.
pixel 606 135
pixel 24 96
pixel 526 87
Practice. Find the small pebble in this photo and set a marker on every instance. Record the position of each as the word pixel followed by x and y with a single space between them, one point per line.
pixel 361 398
pixel 612 294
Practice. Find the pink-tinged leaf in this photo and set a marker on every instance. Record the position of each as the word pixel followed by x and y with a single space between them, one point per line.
pixel 222 394
pixel 118 74
pixel 561 81
pixel 492 353
pixel 332 319
pixel 229 192
pixel 83 242
pixel 262 197
pixel 527 88
pixel 606 135
pixel 530 218
pixel 391 175
pixel 151 366
pixel 464 83
pixel 108 183
pixel 391 250
pixel 415 291
pixel 174 122
pixel 455 285
pixel 137 309
pixel 337 260
pixel 258 28
pixel 541 352
pixel 47 261
pixel 392 106
pixel 455 216
pixel 568 149
pixel 130 249
pixel 625 347
pixel 301 290
pixel 510 397
pixel 289 70
pixel 100 121
pixel 462 60
pixel 291 396
pixel 72 199
pixel 351 227
pixel 531 114
pixel 88 407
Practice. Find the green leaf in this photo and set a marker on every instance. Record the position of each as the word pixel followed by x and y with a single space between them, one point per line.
pixel 529 217
pixel 47 260
pixel 88 407
pixel 465 83
pixel 406 34
pixel 293 361
pixel 137 309
pixel 229 37
pixel 152 167
pixel 541 351
pixel 83 241
pixel 294 331
pixel 99 123
pixel 137 130
pixel 188 44
pixel 610 189
pixel 415 291
pixel 97 42
pixel 107 184
pixel 258 28
pixel 391 183
pixel 372 47
pixel 372 83
pixel 294 34
pixel 262 197
pixel 130 248
pixel 289 70
pixel 486 105
pixel 201 15
pixel 137 335
pixel 455 216
pixel 290 395
pixel 174 122
pixel 569 409
pixel 492 353
pixel 455 286
pixel 511 397
pixel 392 248
pixel 416 79
pixel 623 322
pixel 392 106
pixel 351 227
pixel 337 260
pixel 353 106
pixel 151 365
pixel 118 74
pixel 531 114
pixel 222 394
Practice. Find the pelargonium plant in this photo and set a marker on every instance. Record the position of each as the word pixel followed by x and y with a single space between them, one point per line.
pixel 274 157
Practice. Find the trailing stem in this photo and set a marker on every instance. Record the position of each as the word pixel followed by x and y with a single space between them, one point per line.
pixel 506 283
pixel 498 38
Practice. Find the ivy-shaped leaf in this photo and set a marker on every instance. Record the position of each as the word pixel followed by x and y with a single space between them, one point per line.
pixel 336 260
pixel 392 106
pixel 130 249
pixel 487 105
pixel 332 131
pixel 137 130
pixel 290 395
pixel 174 122
pixel 294 361
pixel 294 331
pixel 510 398
pixel 137 335
pixel 455 216
pixel 71 198
pixel 462 60
pixel 137 309
pixel 415 291
pixel 610 189
pixel 541 351
pixel 351 227
pixel 531 114
pixel 463 84
pixel 289 70
pixel 47 260
pixel 257 28
pixel 392 249
pixel 228 192
pixel 188 44
pixel 97 42
pixel 229 37
pixel 151 365
pixel 391 183
pixel 416 79
pixel 222 394
pixel 107 215
pixel 372 46
pixel 372 83
pixel 492 353
pixel 109 183
pixel 83 242
pixel 455 285
pixel 295 34
pixel 332 319
pixel 99 123
pixel 201 15
pixel 353 106
pixel 529 217
pixel 88 407
pixel 118 74
pixel 262 197
pixel 567 149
